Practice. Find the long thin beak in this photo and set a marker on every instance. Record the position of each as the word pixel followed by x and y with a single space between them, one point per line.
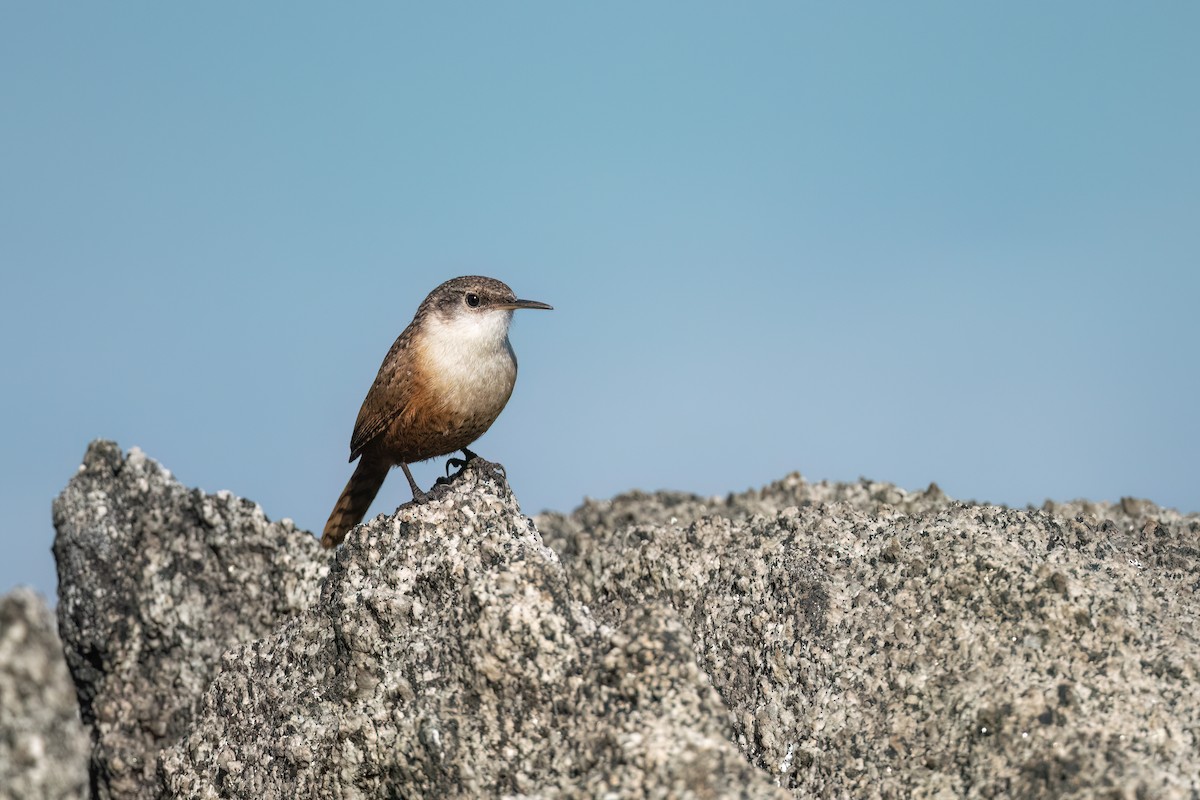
pixel 524 304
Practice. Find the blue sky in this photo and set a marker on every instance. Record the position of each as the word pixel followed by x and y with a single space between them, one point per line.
pixel 918 242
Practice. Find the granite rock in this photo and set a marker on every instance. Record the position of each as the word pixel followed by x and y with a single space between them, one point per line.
pixel 448 658
pixel 155 582
pixel 43 746
pixel 885 644
pixel 840 640
pixel 669 507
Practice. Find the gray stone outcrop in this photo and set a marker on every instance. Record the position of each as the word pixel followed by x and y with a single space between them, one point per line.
pixel 833 640
pixel 156 581
pixel 878 643
pixel 43 746
pixel 447 658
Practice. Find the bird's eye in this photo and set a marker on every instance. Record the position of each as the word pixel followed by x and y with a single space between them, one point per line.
pixel 472 300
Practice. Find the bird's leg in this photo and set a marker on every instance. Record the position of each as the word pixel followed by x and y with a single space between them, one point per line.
pixel 419 497
pixel 459 463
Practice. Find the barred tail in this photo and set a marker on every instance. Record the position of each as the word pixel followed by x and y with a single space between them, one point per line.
pixel 356 498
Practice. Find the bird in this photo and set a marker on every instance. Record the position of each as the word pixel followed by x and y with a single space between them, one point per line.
pixel 442 384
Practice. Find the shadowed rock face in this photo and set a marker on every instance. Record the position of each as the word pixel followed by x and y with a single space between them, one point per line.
pixel 43 746
pixel 831 639
pixel 155 582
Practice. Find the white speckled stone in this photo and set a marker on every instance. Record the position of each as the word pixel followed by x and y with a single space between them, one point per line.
pixel 834 640
pixel 447 658
pixel 155 582
pixel 875 643
pixel 43 746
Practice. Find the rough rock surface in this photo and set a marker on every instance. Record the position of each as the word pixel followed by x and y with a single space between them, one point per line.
pixel 43 746
pixel 875 643
pixel 155 582
pixel 446 657
pixel 835 640
pixel 669 508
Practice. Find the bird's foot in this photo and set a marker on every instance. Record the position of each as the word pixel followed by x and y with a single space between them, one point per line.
pixel 460 463
pixel 420 498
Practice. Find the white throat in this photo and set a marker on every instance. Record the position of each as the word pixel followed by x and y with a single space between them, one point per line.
pixel 468 357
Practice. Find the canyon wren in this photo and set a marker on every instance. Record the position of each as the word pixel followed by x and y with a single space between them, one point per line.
pixel 440 387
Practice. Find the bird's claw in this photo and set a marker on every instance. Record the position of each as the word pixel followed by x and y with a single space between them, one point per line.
pixel 459 463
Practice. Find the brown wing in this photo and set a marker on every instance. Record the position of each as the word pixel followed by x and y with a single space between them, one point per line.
pixel 386 398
